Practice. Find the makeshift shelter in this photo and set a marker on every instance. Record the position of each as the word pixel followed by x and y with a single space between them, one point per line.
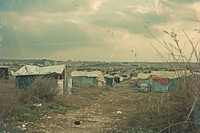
pixel 4 72
pixel 158 83
pixel 109 79
pixel 88 79
pixel 118 78
pixel 26 75
pixel 143 78
pixel 161 81
pixel 167 81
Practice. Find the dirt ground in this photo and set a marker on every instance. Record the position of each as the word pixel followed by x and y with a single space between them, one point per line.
pixel 101 111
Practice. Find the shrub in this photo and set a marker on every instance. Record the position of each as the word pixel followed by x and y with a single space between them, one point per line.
pixel 172 112
pixel 8 100
pixel 40 90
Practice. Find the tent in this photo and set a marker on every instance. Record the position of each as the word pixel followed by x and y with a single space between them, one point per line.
pixel 161 81
pixel 4 72
pixel 27 74
pixel 110 80
pixel 167 81
pixel 142 79
pixel 159 84
pixel 88 79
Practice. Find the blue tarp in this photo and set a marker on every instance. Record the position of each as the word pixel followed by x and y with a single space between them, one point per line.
pixel 23 82
pixel 155 86
pixel 109 81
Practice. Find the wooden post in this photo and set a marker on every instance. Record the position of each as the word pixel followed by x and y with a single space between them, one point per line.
pixel 65 81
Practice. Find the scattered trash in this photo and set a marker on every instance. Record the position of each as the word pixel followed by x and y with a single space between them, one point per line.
pixel 77 122
pixel 104 94
pixel 93 98
pixel 119 112
pixel 23 125
pixel 37 105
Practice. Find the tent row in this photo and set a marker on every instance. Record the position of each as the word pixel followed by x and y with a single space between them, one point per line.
pixel 64 78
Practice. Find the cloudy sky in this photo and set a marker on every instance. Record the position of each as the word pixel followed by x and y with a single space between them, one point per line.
pixel 105 30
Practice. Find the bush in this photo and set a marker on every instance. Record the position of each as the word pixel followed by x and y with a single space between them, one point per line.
pixel 8 100
pixel 172 112
pixel 39 91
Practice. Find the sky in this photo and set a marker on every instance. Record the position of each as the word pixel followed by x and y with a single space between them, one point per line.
pixel 96 30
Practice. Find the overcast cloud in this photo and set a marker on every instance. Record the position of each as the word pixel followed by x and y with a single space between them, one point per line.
pixel 108 30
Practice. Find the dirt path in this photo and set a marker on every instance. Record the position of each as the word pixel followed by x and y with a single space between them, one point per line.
pixel 101 111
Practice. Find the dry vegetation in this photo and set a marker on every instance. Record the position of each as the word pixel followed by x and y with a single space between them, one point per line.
pixel 18 105
pixel 171 112
pixel 101 110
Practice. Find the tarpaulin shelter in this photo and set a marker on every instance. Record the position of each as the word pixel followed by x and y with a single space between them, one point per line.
pixel 110 80
pixel 167 81
pixel 88 79
pixel 27 74
pixel 161 81
pixel 4 72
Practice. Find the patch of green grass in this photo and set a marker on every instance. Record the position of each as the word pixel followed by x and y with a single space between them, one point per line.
pixel 60 108
pixel 30 112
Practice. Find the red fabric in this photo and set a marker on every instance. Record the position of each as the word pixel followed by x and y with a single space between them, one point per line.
pixel 160 80
pixel 133 81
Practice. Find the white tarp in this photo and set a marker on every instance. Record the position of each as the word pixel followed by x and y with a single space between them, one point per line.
pixel 143 75
pixel 60 86
pixel 97 74
pixel 87 74
pixel 35 70
pixel 171 74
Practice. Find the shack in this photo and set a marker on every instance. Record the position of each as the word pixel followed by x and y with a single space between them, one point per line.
pixel 161 81
pixel 26 75
pixel 4 72
pixel 88 79
pixel 110 80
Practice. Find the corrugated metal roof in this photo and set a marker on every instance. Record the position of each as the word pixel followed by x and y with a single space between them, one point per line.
pixel 35 70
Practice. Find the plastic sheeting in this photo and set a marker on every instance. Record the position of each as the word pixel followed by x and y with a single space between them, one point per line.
pixel 35 70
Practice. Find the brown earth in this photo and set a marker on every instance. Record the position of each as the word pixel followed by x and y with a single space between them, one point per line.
pixel 101 111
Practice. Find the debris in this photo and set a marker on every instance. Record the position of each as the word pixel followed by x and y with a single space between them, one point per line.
pixel 48 117
pixel 77 122
pixel 93 98
pixel 23 125
pixel 37 105
pixel 104 94
pixel 119 112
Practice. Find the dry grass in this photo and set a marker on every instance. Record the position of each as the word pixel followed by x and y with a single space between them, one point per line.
pixel 15 104
pixel 170 112
pixel 8 101
pixel 40 90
